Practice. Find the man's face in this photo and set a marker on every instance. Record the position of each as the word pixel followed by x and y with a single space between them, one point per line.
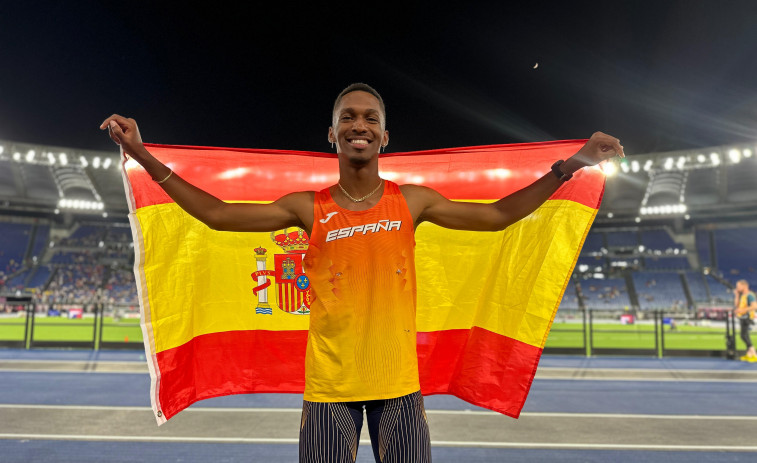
pixel 741 287
pixel 358 127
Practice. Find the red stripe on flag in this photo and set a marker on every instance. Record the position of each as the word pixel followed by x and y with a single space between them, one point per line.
pixel 231 362
pixel 478 366
pixel 481 367
pixel 472 173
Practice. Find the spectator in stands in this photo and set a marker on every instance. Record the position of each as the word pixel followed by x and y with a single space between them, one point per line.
pixel 746 305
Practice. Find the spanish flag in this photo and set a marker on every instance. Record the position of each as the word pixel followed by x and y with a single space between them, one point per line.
pixel 227 313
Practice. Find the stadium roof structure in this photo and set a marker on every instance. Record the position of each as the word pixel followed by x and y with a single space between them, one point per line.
pixel 707 184
pixel 699 184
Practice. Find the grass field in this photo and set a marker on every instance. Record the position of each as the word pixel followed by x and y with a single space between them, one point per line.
pixel 640 336
pixel 63 329
pixel 606 335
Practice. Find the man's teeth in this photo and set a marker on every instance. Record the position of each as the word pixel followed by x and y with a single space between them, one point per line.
pixel 359 142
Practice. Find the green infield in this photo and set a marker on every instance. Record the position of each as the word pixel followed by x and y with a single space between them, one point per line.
pixel 606 335
pixel 640 336
pixel 64 329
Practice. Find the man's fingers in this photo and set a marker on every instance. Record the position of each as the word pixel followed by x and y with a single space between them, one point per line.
pixel 120 120
pixel 115 132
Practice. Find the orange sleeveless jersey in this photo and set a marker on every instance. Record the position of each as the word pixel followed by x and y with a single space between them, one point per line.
pixel 362 337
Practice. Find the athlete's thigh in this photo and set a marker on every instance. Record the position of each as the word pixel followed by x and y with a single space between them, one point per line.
pixel 329 432
pixel 399 430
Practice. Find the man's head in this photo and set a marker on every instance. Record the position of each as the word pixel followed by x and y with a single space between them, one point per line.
pixel 359 124
pixel 358 87
pixel 742 286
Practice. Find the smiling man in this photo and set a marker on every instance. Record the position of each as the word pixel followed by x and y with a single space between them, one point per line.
pixel 361 349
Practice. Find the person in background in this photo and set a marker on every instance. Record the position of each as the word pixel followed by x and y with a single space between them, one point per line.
pixel 745 304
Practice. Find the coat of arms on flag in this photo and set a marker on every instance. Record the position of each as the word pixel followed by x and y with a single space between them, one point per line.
pixel 292 290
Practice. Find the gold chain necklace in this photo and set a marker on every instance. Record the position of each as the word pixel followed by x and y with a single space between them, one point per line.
pixel 360 200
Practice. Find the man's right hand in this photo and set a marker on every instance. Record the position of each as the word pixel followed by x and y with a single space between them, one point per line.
pixel 124 132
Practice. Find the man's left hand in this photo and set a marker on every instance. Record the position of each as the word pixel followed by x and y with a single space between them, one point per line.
pixel 598 148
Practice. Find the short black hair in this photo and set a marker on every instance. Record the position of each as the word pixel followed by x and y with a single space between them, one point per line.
pixel 360 87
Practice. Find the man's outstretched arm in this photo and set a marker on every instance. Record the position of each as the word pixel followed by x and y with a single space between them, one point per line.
pixel 292 210
pixel 428 205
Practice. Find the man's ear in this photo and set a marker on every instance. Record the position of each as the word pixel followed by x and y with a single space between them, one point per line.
pixel 331 135
pixel 385 138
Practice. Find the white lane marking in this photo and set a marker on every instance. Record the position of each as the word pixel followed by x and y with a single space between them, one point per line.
pixel 429 412
pixel 99 372
pixel 82 362
pixel 270 440
pixel 548 373
pixel 626 379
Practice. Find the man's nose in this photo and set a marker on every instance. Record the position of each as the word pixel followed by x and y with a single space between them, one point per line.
pixel 358 125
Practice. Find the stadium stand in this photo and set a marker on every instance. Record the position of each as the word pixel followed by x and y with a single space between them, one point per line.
pixel 658 239
pixel 622 239
pixel 737 252
pixel 659 290
pixel 666 263
pixel 594 243
pixel 698 287
pixel 610 293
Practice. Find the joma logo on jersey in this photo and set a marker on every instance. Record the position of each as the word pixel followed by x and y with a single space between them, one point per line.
pixel 385 225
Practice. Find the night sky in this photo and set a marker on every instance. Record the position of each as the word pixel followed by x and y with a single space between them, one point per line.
pixel 659 75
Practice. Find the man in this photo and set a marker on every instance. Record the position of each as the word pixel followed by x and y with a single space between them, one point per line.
pixel 361 352
pixel 745 304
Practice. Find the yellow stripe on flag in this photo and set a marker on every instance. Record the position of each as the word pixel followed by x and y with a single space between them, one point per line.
pixel 507 282
pixel 202 283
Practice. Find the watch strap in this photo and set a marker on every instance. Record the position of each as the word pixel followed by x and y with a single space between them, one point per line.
pixel 562 176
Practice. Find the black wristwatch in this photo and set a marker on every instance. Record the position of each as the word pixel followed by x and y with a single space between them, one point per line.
pixel 560 174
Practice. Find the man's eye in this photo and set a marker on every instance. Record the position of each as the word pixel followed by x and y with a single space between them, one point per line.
pixel 346 118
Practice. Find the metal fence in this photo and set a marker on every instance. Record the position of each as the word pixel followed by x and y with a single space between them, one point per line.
pixel 93 326
pixel 656 333
pixel 576 332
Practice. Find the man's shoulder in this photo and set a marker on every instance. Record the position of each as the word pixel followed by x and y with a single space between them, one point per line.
pixel 410 190
pixel 297 200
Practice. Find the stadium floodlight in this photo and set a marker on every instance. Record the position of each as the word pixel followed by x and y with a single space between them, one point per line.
pixel 687 216
pixel 635 166
pixel 648 165
pixel 681 162
pixel 609 169
pixel 734 155
pixel 644 211
pixel 701 158
pixel 641 248
pixel 96 162
pixel 106 163
pixel 30 155
pixel 624 167
pixel 715 158
pixel 2 149
pixel 610 215
pixel 105 215
pixel 51 158
pixel 83 160
pixel 668 163
pixel 637 219
pixel 63 158
pixel 16 156
pixel 746 152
